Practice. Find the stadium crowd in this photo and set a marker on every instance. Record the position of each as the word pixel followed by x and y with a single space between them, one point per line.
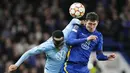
pixel 27 23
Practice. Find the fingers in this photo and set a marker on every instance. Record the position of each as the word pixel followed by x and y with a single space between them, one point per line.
pixel 83 22
pixel 112 56
pixel 12 68
pixel 92 37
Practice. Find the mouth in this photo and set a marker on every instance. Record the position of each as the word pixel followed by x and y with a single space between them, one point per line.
pixel 91 29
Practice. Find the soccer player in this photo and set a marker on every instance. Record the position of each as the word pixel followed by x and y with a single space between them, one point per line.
pixel 55 49
pixel 84 39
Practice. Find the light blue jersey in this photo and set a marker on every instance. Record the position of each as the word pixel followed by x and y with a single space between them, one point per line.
pixel 55 58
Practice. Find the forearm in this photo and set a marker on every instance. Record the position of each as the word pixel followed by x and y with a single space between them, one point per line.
pixel 101 56
pixel 27 54
pixel 69 27
pixel 76 41
pixel 72 38
pixel 22 58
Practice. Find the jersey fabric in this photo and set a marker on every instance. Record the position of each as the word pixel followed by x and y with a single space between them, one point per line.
pixel 78 56
pixel 55 58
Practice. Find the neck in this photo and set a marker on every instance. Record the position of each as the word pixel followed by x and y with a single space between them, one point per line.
pixel 57 48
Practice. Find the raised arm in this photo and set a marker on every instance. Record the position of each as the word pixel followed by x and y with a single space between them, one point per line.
pixel 27 54
pixel 69 27
pixel 72 38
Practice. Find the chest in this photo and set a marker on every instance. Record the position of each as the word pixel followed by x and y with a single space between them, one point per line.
pixel 88 44
pixel 57 55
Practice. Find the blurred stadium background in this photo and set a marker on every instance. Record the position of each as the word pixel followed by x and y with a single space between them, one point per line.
pixel 27 23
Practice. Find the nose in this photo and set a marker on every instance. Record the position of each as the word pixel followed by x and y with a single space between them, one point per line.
pixel 92 26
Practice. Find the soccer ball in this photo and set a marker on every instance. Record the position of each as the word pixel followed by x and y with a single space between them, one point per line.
pixel 77 10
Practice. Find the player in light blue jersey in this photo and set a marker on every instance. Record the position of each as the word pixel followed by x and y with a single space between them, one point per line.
pixel 55 49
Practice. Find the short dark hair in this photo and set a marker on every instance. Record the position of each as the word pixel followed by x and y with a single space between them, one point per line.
pixel 92 16
pixel 57 34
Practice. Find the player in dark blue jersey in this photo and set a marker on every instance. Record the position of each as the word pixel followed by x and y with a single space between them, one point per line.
pixel 84 39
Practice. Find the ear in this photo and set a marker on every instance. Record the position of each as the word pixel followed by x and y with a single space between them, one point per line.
pixel 97 21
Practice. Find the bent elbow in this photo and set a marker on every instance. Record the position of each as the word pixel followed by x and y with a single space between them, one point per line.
pixel 69 42
pixel 99 58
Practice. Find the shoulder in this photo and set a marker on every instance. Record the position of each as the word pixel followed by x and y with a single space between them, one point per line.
pixel 99 34
pixel 75 20
pixel 48 45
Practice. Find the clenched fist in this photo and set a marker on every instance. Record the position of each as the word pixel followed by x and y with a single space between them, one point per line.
pixel 92 37
pixel 112 56
pixel 12 68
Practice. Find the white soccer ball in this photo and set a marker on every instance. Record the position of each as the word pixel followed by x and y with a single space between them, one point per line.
pixel 77 10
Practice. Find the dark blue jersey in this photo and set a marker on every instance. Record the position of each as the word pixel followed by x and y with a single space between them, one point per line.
pixel 81 48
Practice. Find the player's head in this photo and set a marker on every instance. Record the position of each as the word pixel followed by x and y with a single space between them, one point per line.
pixel 92 20
pixel 58 38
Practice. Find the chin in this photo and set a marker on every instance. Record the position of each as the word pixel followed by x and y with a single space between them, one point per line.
pixel 91 31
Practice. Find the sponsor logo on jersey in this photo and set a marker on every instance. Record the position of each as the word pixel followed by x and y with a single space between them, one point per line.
pixel 85 45
pixel 61 55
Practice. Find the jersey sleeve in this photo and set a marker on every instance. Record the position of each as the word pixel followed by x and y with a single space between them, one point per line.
pixel 36 50
pixel 100 43
pixel 99 49
pixel 69 27
pixel 72 38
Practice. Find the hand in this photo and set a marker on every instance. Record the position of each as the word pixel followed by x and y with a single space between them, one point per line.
pixel 83 22
pixel 91 37
pixel 12 68
pixel 112 56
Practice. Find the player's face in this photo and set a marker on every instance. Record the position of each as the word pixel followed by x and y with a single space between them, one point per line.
pixel 91 25
pixel 58 42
